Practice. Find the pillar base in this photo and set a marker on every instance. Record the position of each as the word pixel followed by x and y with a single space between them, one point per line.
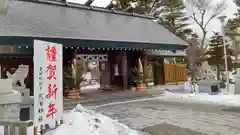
pixel 237 84
pixel 9 101
pixel 10 106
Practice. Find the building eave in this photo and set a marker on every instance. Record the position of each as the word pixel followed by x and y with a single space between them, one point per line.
pixel 77 24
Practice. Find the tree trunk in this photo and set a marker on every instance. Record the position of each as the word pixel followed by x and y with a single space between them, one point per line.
pixel 236 52
pixel 202 47
pixel 203 41
pixel 218 72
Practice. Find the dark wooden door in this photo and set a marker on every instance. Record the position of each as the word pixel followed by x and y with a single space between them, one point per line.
pixel 105 74
pixel 158 72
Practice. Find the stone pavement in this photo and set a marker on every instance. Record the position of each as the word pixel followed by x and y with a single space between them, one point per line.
pixel 102 97
pixel 212 120
pixel 168 129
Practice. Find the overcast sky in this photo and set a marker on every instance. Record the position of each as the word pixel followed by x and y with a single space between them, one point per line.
pixel 215 25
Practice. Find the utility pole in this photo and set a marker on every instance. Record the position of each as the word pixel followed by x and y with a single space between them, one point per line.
pixel 222 20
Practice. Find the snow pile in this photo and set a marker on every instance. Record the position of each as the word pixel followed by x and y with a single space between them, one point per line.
pixel 81 121
pixel 203 98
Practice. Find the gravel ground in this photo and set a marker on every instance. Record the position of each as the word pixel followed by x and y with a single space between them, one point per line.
pixel 153 115
pixel 168 129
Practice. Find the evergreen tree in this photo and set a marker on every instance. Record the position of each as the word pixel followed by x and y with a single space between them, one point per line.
pixel 215 54
pixel 169 13
pixel 172 15
pixel 235 21
pixel 237 15
pixel 231 30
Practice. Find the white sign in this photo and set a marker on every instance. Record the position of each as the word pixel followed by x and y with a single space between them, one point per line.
pixel 1 130
pixel 48 86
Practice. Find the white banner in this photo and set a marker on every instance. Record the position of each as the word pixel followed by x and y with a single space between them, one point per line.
pixel 1 130
pixel 48 86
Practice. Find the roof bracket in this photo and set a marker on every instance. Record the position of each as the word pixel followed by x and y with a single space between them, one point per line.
pixel 89 2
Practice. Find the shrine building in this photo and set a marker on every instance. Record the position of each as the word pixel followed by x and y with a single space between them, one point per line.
pixel 110 42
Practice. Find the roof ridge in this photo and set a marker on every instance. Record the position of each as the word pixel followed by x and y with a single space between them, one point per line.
pixel 91 8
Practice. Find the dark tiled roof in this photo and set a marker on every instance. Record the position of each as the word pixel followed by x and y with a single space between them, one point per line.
pixel 34 19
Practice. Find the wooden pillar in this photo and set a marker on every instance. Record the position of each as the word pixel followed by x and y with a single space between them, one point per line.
pixel 0 71
pixel 124 70
pixel 145 72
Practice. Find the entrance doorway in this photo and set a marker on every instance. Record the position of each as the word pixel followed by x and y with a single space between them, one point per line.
pixel 95 71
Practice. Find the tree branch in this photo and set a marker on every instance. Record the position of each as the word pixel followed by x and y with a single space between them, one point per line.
pixel 218 10
pixel 202 17
pixel 209 20
pixel 196 20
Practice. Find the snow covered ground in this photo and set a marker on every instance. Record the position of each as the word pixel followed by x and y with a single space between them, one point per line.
pixel 82 121
pixel 225 98
pixel 202 98
pixel 96 3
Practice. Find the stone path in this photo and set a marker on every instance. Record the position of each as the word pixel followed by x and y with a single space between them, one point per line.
pixel 99 97
pixel 212 120
pixel 168 129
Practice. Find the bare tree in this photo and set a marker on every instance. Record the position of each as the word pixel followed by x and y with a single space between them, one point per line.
pixel 202 13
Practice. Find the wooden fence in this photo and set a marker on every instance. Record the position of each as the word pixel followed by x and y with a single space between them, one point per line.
pixel 174 73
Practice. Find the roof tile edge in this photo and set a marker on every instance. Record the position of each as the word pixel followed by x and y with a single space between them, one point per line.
pixel 92 8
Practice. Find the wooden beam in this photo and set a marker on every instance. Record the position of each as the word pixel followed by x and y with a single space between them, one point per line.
pixel 110 6
pixel 89 2
pixel 124 69
pixel 145 72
